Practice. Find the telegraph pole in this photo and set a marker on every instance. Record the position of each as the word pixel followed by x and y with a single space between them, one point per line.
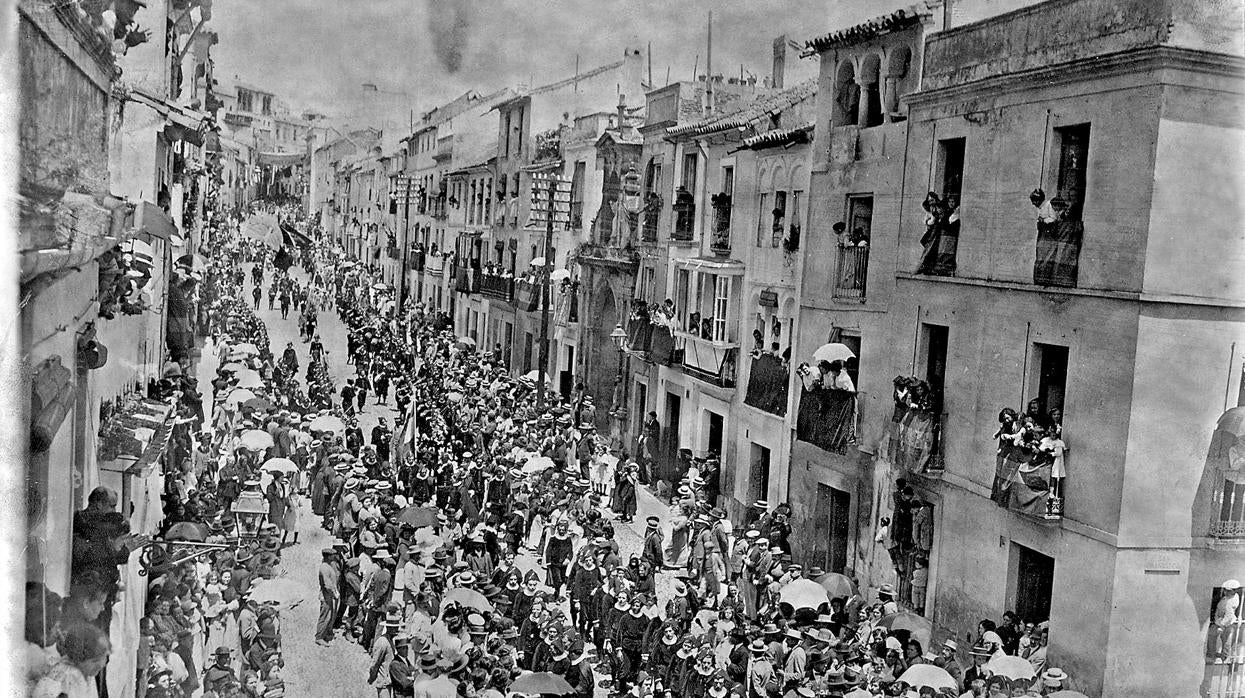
pixel 406 244
pixel 544 295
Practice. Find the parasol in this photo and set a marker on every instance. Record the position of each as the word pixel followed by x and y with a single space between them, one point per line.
pixel 560 275
pixel 327 423
pixel 609 460
pixel 541 682
pixel 833 351
pixel 1067 694
pixel 803 593
pixel 245 348
pixel 380 287
pixel 186 530
pixel 239 396
pixel 418 516
pixel 537 464
pixel 1011 666
pixel 468 597
pixel 250 379
pixel 278 590
pixel 235 367
pixel 533 375
pixel 920 627
pixel 256 440
pixel 281 465
pixel 538 262
pixel 454 397
pixel 837 585
pixel 920 675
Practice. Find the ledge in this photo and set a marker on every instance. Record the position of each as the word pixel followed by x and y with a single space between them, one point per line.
pixel 1140 297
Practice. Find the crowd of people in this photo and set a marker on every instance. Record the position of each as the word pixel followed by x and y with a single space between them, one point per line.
pixel 483 546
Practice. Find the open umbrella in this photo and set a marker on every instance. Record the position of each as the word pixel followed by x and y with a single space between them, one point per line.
pixel 280 465
pixel 920 627
pixel 454 396
pixel 245 348
pixel 534 375
pixel 837 585
pixel 327 423
pixel 258 403
pixel 542 682
pixel 239 396
pixel 833 351
pixel 1011 666
pixel 803 593
pixel 559 275
pixel 468 597
pixel 538 262
pixel 935 677
pixel 609 460
pixel 186 530
pixel 250 379
pixel 380 287
pixel 256 440
pixel 1067 694
pixel 537 464
pixel 280 590
pixel 235 367
pixel 418 516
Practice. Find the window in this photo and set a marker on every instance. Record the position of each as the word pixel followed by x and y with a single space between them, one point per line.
pixel 506 134
pixel 689 172
pixel 762 216
pixel 831 528
pixel 951 164
pixel 1073 144
pixel 759 475
pixel 1050 377
pixel 1032 579
pixel 682 282
pixel 721 304
pixel 859 219
pixel 728 180
pixel 846 95
pixel 577 195
pixel 647 275
pixel 780 217
pixel 934 342
pixel 797 220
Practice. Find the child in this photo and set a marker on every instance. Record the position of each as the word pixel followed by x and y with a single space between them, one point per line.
pixel 920 580
pixel 1054 447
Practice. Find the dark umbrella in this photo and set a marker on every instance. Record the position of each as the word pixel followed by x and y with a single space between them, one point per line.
pixel 542 682
pixel 418 516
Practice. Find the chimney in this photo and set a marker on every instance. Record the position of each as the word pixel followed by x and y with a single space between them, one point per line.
pixel 781 48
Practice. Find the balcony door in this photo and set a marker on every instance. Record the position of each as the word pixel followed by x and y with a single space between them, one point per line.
pixel 831 528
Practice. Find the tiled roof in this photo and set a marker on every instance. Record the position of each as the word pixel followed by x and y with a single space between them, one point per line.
pixel 778 137
pixel 748 113
pixel 899 19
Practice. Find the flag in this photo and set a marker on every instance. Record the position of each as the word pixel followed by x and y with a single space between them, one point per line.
pixel 293 237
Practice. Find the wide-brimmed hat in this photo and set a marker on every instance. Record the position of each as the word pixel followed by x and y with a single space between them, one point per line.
pixel 886 589
pixel 1054 677
pixel 980 651
pixel 758 646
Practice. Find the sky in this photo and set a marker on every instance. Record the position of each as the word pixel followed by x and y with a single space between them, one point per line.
pixel 315 54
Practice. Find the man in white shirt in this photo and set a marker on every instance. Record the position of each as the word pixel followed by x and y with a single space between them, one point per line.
pixel 1225 617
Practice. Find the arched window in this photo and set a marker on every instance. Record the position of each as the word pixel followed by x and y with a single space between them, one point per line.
pixel 897 81
pixel 846 95
pixel 871 89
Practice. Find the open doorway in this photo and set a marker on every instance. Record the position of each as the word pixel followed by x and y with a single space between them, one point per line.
pixel 1033 579
pixel 831 528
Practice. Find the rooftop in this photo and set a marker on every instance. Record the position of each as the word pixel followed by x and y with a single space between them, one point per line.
pixel 895 21
pixel 748 113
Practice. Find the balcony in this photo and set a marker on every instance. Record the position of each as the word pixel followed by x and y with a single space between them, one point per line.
pixel 720 243
pixel 767 384
pixel 622 258
pixel 497 286
pixel 1228 506
pixel 827 418
pixel 713 362
pixel 434 263
pixel 1058 253
pixel 651 215
pixel 684 215
pixel 466 280
pixel 393 252
pixel 851 272
pixel 527 295
pixel 647 340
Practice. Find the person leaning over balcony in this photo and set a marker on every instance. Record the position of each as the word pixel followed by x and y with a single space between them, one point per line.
pixel 1226 616
pixel 84 651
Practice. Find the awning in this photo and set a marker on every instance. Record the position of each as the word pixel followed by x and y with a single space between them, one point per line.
pixel 714 265
pixel 282 159
pixel 183 117
pixel 152 220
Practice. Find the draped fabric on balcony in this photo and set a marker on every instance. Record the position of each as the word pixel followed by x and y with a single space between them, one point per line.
pixel 911 440
pixel 767 385
pixel 639 334
pixel 941 240
pixel 1058 253
pixel 1020 483
pixel 661 345
pixel 827 418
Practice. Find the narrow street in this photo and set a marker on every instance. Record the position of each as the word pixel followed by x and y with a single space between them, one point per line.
pixel 341 668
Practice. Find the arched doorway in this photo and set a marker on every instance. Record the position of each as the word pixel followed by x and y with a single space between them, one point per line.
pixel 601 362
